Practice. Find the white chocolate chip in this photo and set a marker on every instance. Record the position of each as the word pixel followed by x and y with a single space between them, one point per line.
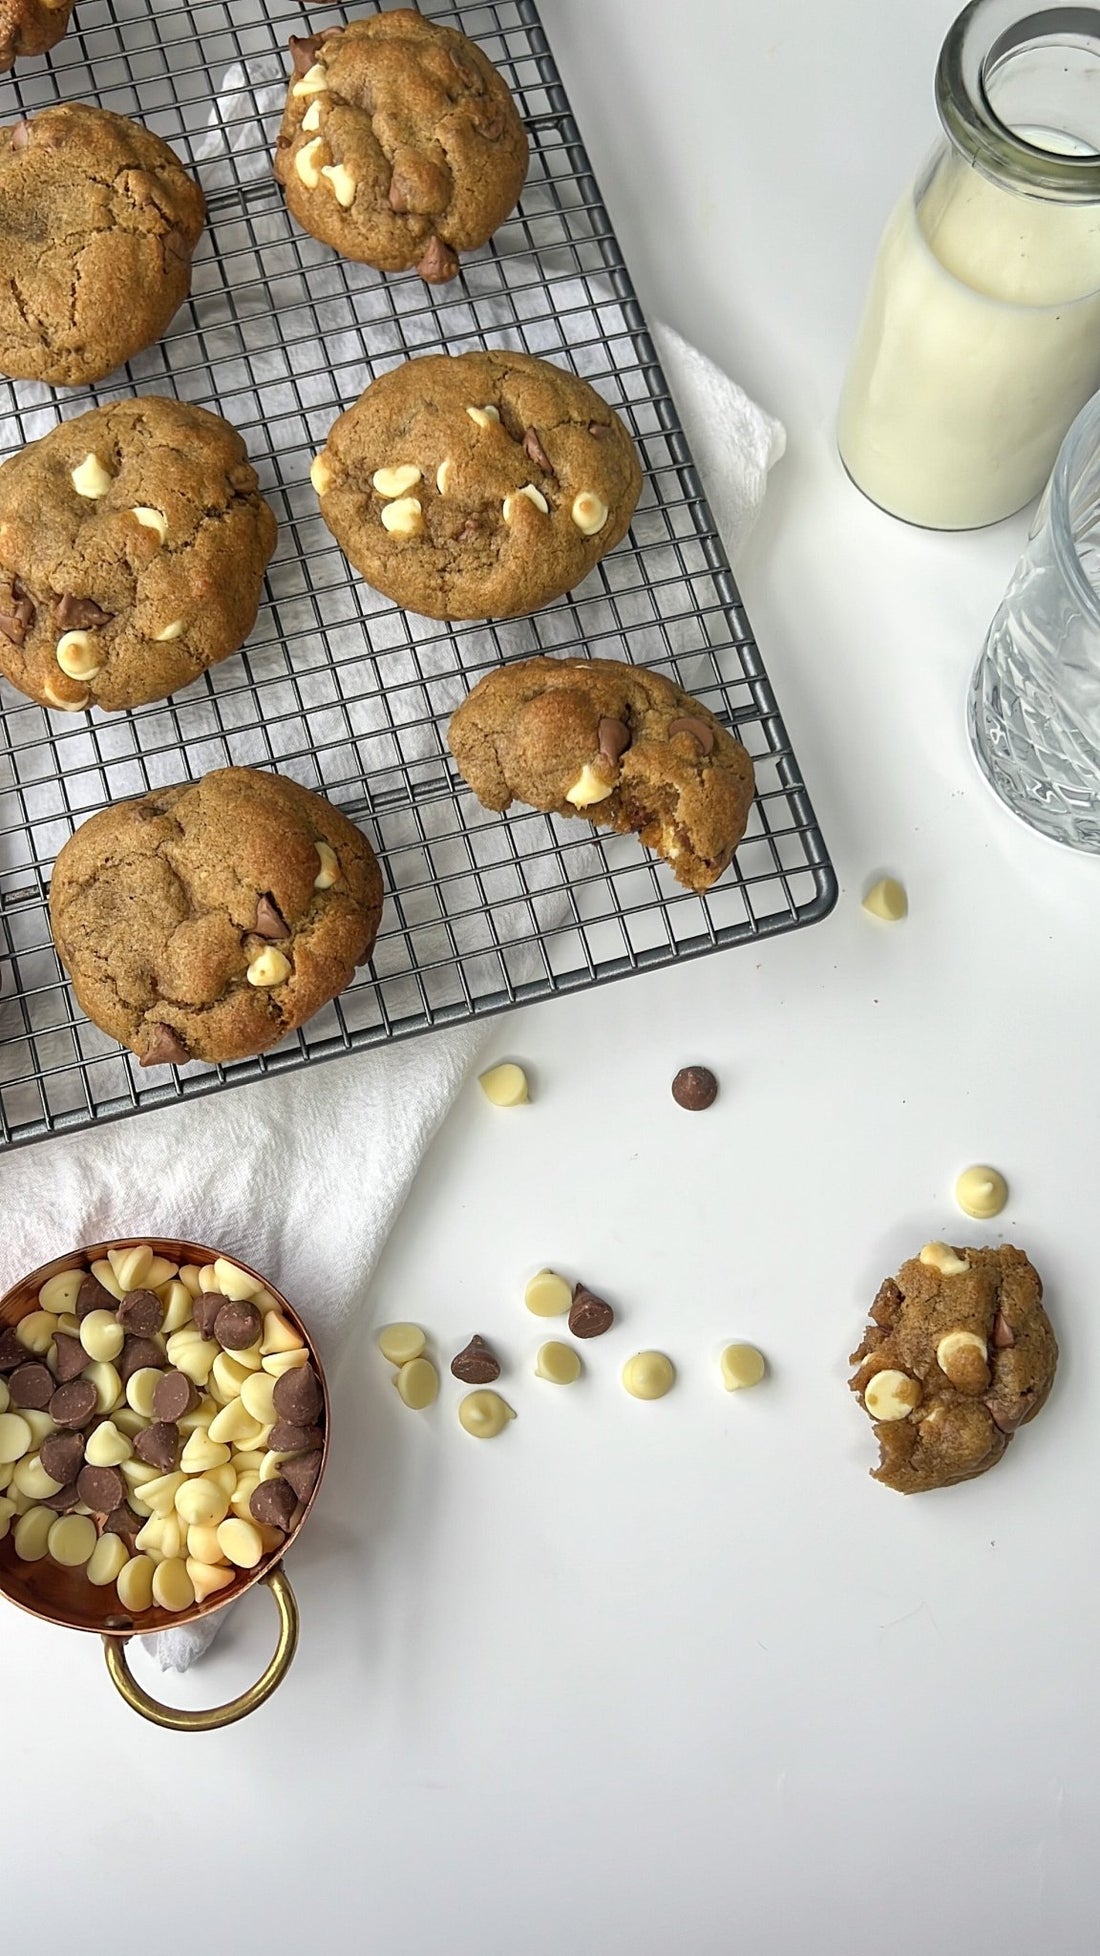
pixel 241 1543
pixel 107 1446
pixel 233 1282
pixel 548 1295
pixel 306 165
pixel 505 1085
pixel 140 1387
pixel 649 1375
pixel 891 1395
pixel 135 1584
pixel 172 630
pixel 587 788
pixel 107 1383
pixel 531 495
pixel 172 1586
pixel 36 1332
pixel 404 518
pixel 78 656
pixel 981 1192
pixel 443 475
pixel 397 481
pixel 71 1541
pixel 941 1257
pixel 202 1453
pixel 151 519
pixel 59 1294
pixel 341 182
pixel 276 1363
pixel 206 1578
pixel 401 1343
pixel 330 866
pixel 558 1362
pixel 589 512
pixel 269 968
pixel 278 1335
pixel 102 1335
pixel 90 478
pixel 742 1366
pixel 201 1503
pixel 130 1267
pixel 311 121
pixel 417 1383
pixel 159 1494
pixel 32 1534
pixel 887 899
pixel 29 1477
pixel 256 1398
pixel 962 1356
pixel 483 417
pixel 484 1414
pixel 313 82
pixel 235 1425
pixel 320 473
pixel 107 1561
pixel 65 702
pixel 8 1510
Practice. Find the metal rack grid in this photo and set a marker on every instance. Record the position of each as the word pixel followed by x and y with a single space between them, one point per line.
pixel 336 687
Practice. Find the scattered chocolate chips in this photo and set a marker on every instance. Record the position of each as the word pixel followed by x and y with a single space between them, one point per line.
pixel 302 1473
pixel 62 1455
pixel 136 1355
pixel 589 1315
pixel 73 1404
pixel 64 1499
pixel 695 1088
pixel 697 729
pixel 76 614
pixel 164 1047
pixel 536 453
pixel 141 1312
pixel 32 1386
pixel 270 922
pixel 102 1489
pixel 123 1521
pixel 477 1363
pixel 287 1437
pixel 272 1503
pixel 93 1296
pixel 158 1445
pixel 1003 1335
pixel 174 1396
pixel 237 1325
pixel 205 1308
pixel 297 1396
pixel 614 739
pixel 12 1353
pixel 438 264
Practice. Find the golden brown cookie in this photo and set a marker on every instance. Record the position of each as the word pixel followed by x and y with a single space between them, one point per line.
pixel 623 746
pixel 133 543
pixel 98 220
pixel 400 144
pixel 31 27
pixel 206 921
pixel 477 485
pixel 958 1354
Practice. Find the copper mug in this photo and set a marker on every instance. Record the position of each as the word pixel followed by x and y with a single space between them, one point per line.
pixel 66 1597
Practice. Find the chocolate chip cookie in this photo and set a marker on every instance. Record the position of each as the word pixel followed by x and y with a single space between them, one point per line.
pixel 958 1354
pixel 30 27
pixel 477 485
pixel 98 220
pixel 624 747
pixel 206 921
pixel 133 542
pixel 400 144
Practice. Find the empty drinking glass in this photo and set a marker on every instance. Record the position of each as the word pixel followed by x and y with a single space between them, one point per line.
pixel 1034 706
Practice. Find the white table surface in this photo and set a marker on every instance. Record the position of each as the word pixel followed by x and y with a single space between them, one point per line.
pixel 644 1676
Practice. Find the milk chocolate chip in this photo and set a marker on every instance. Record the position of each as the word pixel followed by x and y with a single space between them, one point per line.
pixel 536 453
pixel 694 1088
pixel 123 1521
pixel 1003 1335
pixel 12 1353
pixel 477 1363
pixel 163 1047
pixel 137 1355
pixel 62 1455
pixel 205 1310
pixel 18 615
pixel 270 922
pixel 438 264
pixel 65 1498
pixel 297 1396
pixel 614 739
pixel 32 1386
pixel 75 614
pixel 102 1489
pixel 93 1296
pixel 237 1325
pixel 141 1312
pixel 272 1503
pixel 698 729
pixel 70 1358
pixel 174 1396
pixel 302 1473
pixel 589 1316
pixel 159 1446
pixel 73 1404
pixel 286 1437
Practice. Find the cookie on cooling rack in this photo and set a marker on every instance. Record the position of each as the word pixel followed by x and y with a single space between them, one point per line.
pixel 133 543
pixel 31 27
pixel 625 747
pixel 98 221
pixel 959 1353
pixel 208 920
pixel 401 144
pixel 477 485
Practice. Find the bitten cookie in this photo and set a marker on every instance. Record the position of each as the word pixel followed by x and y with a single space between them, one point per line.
pixel 133 542
pixel 98 220
pixel 477 485
pixel 623 746
pixel 206 921
pixel 31 27
pixel 958 1354
pixel 400 144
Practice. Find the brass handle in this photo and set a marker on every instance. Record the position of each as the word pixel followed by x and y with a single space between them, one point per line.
pixel 138 1699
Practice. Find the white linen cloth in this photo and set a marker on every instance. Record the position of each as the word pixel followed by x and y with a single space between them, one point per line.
pixel 303 1175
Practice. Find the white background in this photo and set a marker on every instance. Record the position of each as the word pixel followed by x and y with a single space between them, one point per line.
pixel 643 1676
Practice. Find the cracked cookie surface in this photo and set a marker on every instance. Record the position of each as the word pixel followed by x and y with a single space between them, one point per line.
pixel 477 485
pixel 625 747
pixel 400 144
pixel 98 221
pixel 31 27
pixel 206 921
pixel 133 544
pixel 959 1353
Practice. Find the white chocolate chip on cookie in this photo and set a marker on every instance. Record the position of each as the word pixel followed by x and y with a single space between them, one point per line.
pixel 306 163
pixel 341 182
pixel 330 866
pixel 269 968
pixel 941 1257
pixel 78 655
pixel 396 482
pixel 483 417
pixel 313 82
pixel 587 788
pixel 90 478
pixel 403 518
pixel 891 1395
pixel 962 1356
pixel 311 121
pixel 151 519
pixel 589 512
pixel 443 475
pixel 532 494
pixel 320 473
pixel 174 629
pixel 66 701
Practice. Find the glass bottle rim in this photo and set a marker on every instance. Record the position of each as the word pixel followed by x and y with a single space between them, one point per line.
pixel 985 33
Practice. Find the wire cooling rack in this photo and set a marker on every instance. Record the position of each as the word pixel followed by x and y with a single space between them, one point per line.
pixel 336 687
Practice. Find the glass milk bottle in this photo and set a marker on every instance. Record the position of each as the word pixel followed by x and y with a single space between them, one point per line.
pixel 981 334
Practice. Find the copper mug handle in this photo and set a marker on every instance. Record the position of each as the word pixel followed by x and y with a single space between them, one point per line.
pixel 212 1720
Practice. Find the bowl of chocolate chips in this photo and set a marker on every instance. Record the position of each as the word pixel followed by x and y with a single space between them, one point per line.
pixel 163 1434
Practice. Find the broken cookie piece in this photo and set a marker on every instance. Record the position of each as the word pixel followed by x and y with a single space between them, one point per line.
pixel 621 745
pixel 958 1354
